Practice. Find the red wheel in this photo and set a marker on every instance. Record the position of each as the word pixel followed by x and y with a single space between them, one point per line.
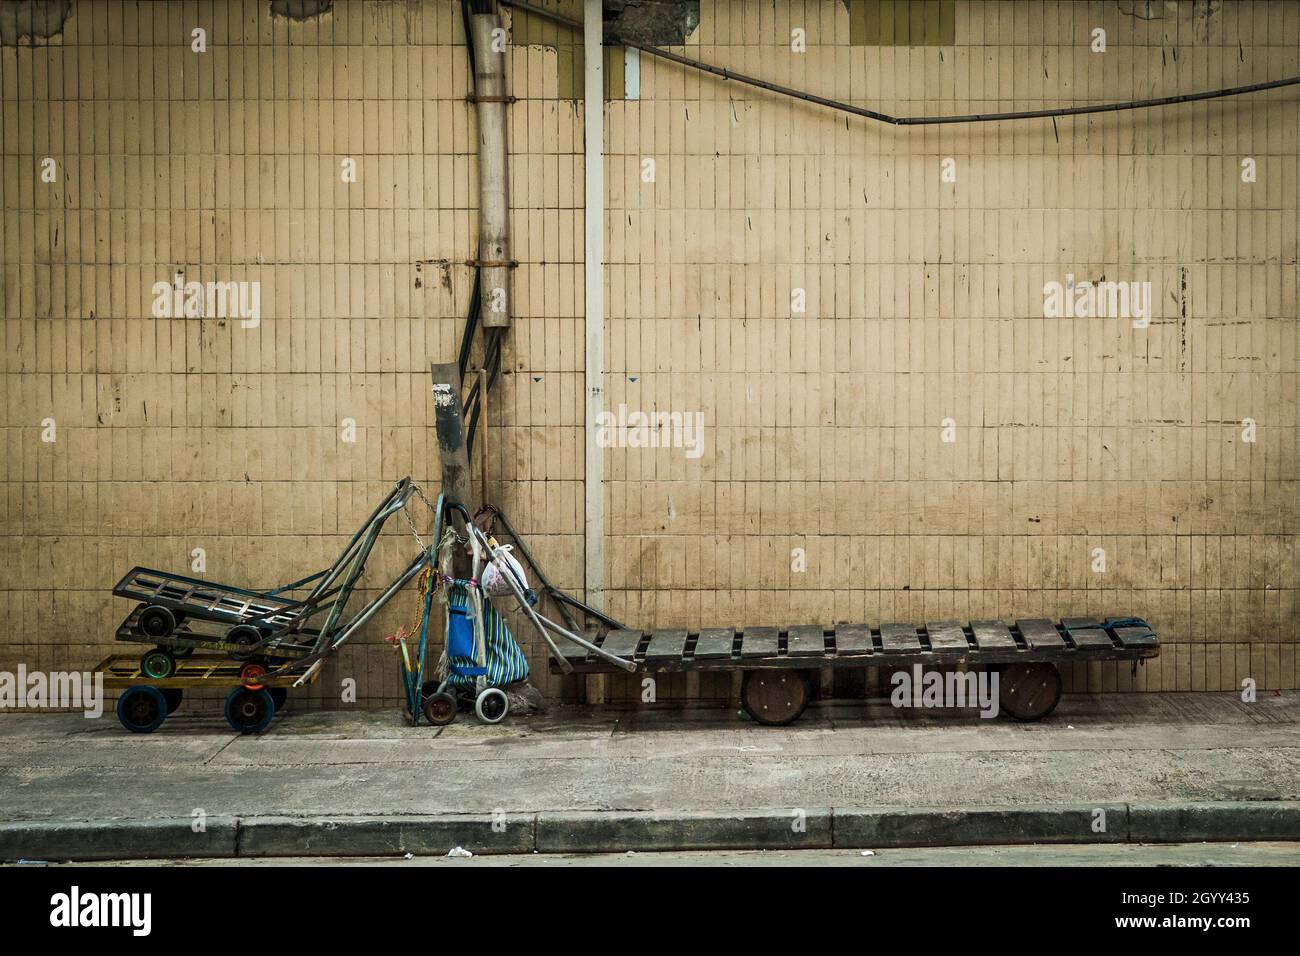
pixel 249 675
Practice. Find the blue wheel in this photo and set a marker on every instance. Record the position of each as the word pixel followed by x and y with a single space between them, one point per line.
pixel 142 709
pixel 249 711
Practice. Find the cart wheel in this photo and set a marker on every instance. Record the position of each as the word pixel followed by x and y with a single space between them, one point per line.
pixel 249 711
pixel 173 696
pixel 248 675
pixel 246 640
pixel 156 622
pixel 278 696
pixel 775 697
pixel 428 690
pixel 1029 691
pixel 179 652
pixel 492 705
pixel 440 709
pixel 141 709
pixel 158 664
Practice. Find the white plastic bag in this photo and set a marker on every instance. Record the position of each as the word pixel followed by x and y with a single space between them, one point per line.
pixel 494 580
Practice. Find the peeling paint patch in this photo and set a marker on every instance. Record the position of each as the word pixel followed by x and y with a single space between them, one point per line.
pixel 33 19
pixel 300 9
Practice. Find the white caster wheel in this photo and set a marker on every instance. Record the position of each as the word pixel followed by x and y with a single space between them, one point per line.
pixel 492 705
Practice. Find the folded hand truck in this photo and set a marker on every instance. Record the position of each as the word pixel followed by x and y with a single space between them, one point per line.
pixel 261 629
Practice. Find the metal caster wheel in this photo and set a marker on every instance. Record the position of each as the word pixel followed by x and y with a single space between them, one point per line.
pixel 492 705
pixel 158 664
pixel 156 622
pixel 250 673
pixel 440 709
pixel 142 709
pixel 249 711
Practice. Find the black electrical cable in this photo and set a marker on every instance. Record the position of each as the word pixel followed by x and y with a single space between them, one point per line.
pixel 840 105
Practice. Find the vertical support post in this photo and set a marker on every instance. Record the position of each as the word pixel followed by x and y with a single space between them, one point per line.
pixel 449 424
pixel 593 49
pixel 488 39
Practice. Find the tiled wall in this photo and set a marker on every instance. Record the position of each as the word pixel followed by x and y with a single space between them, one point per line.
pixel 923 301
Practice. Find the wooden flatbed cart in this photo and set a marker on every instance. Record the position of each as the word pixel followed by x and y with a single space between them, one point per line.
pixel 776 662
pixel 146 701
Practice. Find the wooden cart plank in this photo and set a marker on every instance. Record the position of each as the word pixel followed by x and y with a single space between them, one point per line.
pixel 992 635
pixel 621 643
pixel 947 636
pixel 760 642
pixel 853 640
pixel 1135 635
pixel 1040 633
pixel 714 643
pixel 806 640
pixel 1087 633
pixel 900 637
pixel 666 646
pixel 574 653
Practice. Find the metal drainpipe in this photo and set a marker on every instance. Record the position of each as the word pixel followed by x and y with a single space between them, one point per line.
pixel 594 272
pixel 488 38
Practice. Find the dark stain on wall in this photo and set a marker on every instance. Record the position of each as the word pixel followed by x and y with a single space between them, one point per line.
pixel 651 22
pixel 300 9
pixel 33 19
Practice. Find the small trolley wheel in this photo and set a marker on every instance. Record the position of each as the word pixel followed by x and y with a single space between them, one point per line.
pixel 278 695
pixel 249 673
pixel 428 690
pixel 1029 691
pixel 173 696
pixel 775 697
pixel 156 622
pixel 492 705
pixel 179 652
pixel 158 664
pixel 142 709
pixel 246 640
pixel 249 711
pixel 440 709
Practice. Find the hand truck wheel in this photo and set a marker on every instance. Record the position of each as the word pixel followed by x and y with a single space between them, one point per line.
pixel 158 664
pixel 1029 691
pixel 249 673
pixel 440 708
pixel 246 640
pixel 173 696
pixel 249 711
pixel 156 622
pixel 141 709
pixel 428 690
pixel 492 705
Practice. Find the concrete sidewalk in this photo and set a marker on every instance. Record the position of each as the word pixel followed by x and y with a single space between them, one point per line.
pixel 1165 768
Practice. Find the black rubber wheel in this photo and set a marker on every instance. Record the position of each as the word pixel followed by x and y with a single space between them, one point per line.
pixel 249 711
pixel 141 709
pixel 278 696
pixel 428 690
pixel 246 640
pixel 440 709
pixel 179 652
pixel 1029 692
pixel 173 696
pixel 492 705
pixel 156 622
pixel 776 696
pixel 158 664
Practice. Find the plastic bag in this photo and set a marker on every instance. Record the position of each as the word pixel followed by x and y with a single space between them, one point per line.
pixel 494 580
